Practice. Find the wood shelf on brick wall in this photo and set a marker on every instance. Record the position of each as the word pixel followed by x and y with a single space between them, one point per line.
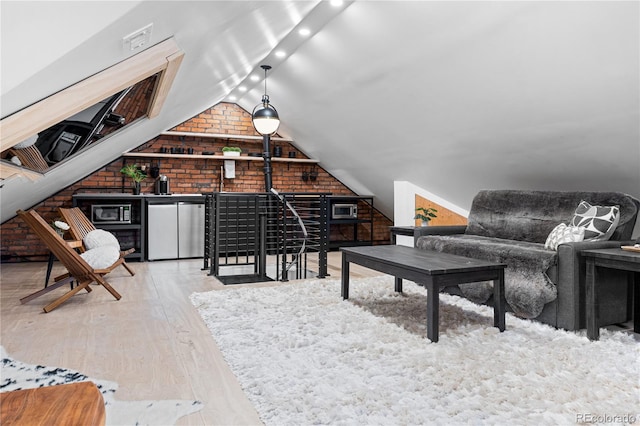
pixel 225 136
pixel 216 157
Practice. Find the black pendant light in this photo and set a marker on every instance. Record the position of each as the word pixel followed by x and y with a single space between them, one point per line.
pixel 265 117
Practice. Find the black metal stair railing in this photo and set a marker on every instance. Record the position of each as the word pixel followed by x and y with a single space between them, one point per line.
pixel 302 229
pixel 243 228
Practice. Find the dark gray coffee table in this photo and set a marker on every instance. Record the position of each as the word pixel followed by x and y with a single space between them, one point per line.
pixel 614 258
pixel 429 269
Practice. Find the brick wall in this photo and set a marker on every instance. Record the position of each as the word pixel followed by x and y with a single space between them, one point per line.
pixel 188 176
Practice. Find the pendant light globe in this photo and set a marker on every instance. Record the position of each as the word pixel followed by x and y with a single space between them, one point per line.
pixel 265 117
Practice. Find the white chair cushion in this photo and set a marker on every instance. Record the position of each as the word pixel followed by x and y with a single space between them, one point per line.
pixel 98 238
pixel 27 142
pixel 101 257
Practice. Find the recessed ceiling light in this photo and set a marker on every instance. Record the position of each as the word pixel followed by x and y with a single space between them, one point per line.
pixel 304 31
pixel 232 98
pixel 242 88
pixel 336 3
pixel 254 77
pixel 281 53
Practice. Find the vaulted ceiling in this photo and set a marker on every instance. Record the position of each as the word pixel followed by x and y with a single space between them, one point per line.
pixel 451 96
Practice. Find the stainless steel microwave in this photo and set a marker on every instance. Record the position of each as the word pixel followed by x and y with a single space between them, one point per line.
pixel 109 214
pixel 344 211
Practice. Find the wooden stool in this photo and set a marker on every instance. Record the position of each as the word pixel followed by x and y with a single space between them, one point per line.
pixel 71 404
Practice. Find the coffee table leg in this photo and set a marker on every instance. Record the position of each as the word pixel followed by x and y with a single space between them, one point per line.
pixel 345 277
pixel 636 302
pixel 433 307
pixel 398 285
pixel 593 331
pixel 499 302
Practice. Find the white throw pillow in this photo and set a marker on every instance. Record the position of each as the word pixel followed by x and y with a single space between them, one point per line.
pixel 599 221
pixel 101 257
pixel 98 238
pixel 564 234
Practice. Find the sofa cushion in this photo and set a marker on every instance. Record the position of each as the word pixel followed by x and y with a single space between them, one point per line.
pixel 527 286
pixel 564 234
pixel 531 215
pixel 599 222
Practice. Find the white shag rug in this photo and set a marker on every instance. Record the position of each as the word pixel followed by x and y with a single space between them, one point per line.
pixel 305 356
pixel 15 375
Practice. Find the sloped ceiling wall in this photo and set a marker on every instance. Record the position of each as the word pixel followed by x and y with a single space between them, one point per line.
pixel 463 96
pixel 451 96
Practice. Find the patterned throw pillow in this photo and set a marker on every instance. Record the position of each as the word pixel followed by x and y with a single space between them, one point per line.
pixel 599 221
pixel 564 234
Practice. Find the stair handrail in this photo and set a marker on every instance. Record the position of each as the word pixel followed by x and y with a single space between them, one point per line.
pixel 302 226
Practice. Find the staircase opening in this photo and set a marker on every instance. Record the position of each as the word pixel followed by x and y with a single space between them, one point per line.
pixel 244 230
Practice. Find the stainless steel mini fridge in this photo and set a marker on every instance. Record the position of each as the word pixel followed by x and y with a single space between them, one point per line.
pixel 175 230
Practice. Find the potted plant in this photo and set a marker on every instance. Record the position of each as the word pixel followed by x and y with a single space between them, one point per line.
pixel 425 214
pixel 231 151
pixel 136 174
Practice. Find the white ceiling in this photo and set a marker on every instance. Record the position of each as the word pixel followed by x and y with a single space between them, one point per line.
pixel 451 96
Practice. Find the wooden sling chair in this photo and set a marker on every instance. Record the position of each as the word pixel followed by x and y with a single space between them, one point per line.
pixel 77 268
pixel 80 226
pixel 31 158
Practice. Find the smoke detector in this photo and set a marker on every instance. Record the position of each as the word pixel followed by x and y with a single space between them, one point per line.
pixel 137 39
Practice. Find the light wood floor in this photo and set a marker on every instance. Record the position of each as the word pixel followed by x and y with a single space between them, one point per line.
pixel 152 342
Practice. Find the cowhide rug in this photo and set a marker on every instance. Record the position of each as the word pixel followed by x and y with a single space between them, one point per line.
pixel 15 375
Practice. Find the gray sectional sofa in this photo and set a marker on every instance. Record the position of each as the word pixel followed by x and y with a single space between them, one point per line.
pixel 512 226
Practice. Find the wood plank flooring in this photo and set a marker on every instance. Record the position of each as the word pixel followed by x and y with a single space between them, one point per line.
pixel 152 342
